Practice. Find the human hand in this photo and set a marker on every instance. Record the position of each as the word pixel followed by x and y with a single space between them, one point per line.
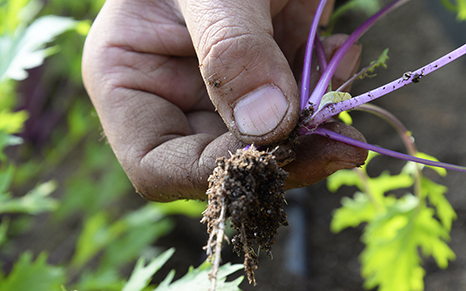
pixel 141 68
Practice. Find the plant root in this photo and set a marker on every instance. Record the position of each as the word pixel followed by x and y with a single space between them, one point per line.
pixel 246 188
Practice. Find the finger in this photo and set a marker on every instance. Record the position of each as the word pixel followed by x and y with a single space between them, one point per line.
pixel 348 66
pixel 318 157
pixel 142 45
pixel 247 76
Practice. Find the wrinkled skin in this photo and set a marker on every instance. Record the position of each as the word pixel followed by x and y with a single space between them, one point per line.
pixel 151 66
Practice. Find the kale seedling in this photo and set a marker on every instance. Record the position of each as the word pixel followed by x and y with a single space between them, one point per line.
pixel 247 188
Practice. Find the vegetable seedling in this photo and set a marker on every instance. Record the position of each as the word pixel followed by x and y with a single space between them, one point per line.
pixel 237 187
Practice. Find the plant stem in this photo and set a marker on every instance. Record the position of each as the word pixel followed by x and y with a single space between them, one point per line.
pixel 405 135
pixel 336 108
pixel 338 137
pixel 320 54
pixel 306 77
pixel 321 86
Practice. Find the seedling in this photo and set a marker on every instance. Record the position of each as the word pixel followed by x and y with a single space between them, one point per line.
pixel 238 185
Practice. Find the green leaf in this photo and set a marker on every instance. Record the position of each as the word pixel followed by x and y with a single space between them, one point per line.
pixel 191 208
pixel 332 98
pixel 129 246
pixel 380 62
pixel 10 14
pixel 8 93
pixel 461 10
pixel 27 48
pixel 436 194
pixel 142 274
pixel 6 176
pixel 385 182
pixel 198 279
pixel 28 275
pixel 391 258
pixel 99 232
pixel 3 230
pixel 108 280
pixel 343 178
pixel 353 212
pixel 345 117
pixel 34 202
pixel 368 7
pixel 431 236
pixel 441 171
pixel 12 122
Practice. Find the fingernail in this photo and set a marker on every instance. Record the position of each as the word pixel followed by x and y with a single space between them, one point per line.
pixel 260 111
pixel 347 65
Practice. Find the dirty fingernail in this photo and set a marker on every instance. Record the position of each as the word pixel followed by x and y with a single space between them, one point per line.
pixel 347 65
pixel 260 111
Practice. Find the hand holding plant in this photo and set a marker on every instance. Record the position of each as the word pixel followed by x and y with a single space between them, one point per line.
pixel 141 68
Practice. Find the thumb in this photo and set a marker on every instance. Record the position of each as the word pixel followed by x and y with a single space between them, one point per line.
pixel 248 78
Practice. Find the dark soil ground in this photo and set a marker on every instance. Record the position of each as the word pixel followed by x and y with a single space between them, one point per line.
pixel 307 256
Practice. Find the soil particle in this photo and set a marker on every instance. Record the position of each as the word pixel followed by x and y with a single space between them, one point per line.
pixel 249 186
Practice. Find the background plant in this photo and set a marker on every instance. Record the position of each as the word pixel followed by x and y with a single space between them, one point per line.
pixel 56 127
pixel 73 180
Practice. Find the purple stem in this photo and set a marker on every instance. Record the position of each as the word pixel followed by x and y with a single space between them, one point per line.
pixel 322 85
pixel 308 54
pixel 415 76
pixel 320 54
pixel 338 137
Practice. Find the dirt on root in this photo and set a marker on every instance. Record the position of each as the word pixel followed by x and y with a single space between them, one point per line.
pixel 248 186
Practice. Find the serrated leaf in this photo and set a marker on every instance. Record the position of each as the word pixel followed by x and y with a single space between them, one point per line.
pixel 99 232
pixel 353 212
pixel 391 258
pixel 343 178
pixel 380 62
pixel 430 235
pixel 27 48
pixel 436 194
pixel 142 274
pixel 128 246
pixel 198 279
pixel 35 201
pixel 385 182
pixel 28 275
pixel 441 171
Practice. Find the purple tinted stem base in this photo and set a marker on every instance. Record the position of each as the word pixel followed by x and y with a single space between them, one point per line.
pixel 335 136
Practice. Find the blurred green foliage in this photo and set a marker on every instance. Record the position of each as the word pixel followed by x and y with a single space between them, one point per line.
pixel 89 186
pixel 456 6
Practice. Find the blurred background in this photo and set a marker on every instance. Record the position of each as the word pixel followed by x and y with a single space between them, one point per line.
pixel 69 216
